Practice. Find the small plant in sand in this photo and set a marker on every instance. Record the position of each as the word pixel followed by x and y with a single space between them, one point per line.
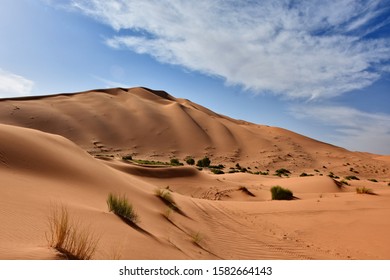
pixel 344 182
pixel 175 162
pixel 352 177
pixel 245 190
pixel 190 161
pixel 197 237
pixel 279 193
pixel 282 171
pixel 127 157
pixel 217 171
pixel 166 196
pixel 120 206
pixel 364 190
pixel 68 236
pixel 204 162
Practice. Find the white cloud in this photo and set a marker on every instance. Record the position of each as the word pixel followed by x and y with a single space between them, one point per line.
pixel 108 83
pixel 308 49
pixel 354 129
pixel 14 85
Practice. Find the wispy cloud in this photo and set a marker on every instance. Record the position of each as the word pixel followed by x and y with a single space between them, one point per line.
pixel 108 83
pixel 298 49
pixel 353 128
pixel 12 84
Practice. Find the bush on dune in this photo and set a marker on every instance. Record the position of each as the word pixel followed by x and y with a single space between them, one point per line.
pixel 279 193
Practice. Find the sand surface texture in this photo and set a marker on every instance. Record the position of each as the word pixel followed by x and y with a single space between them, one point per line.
pixel 67 150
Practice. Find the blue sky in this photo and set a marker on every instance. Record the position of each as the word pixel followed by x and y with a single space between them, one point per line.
pixel 319 68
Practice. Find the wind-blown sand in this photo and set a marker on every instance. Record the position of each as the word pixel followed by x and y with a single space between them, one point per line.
pixel 67 149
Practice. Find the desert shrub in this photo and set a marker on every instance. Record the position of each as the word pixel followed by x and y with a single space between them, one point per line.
pixel 217 171
pixel 303 174
pixel 245 190
pixel 120 206
pixel 282 171
pixel 166 196
pixel 175 162
pixel 197 237
pixel 204 162
pixel 344 182
pixel 127 157
pixel 219 166
pixel 190 161
pixel 352 177
pixel 68 237
pixel 364 190
pixel 279 193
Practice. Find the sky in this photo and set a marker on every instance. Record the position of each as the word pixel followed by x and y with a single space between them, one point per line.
pixel 318 68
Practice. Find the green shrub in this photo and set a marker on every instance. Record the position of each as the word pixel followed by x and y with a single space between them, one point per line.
pixel 279 193
pixel 352 177
pixel 204 162
pixel 175 162
pixel 166 196
pixel 282 171
pixel 120 206
pixel 217 171
pixel 190 161
pixel 127 157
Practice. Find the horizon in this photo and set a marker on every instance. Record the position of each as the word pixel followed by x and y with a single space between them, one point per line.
pixel 319 70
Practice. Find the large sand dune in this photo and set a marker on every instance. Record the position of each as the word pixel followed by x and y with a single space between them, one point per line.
pixel 67 150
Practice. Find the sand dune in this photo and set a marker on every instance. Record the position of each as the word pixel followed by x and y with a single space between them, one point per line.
pixel 67 150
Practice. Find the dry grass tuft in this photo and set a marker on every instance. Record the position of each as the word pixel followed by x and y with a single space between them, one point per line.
pixel 68 237
pixel 364 190
pixel 122 208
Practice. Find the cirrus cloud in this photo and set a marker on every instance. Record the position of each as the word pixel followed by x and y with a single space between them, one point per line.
pixel 298 49
pixel 353 128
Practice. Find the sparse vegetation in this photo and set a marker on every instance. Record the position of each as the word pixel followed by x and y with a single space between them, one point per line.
pixel 352 177
pixel 175 162
pixel 150 162
pixel 120 206
pixel 166 196
pixel 217 171
pixel 245 190
pixel 344 182
pixel 197 237
pixel 127 157
pixel 190 161
pixel 364 190
pixel 282 171
pixel 279 193
pixel 204 162
pixel 68 236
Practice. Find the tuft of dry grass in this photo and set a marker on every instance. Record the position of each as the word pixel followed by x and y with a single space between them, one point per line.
pixel 122 208
pixel 197 237
pixel 364 190
pixel 166 196
pixel 68 237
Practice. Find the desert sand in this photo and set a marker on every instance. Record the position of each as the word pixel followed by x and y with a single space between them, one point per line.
pixel 67 149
